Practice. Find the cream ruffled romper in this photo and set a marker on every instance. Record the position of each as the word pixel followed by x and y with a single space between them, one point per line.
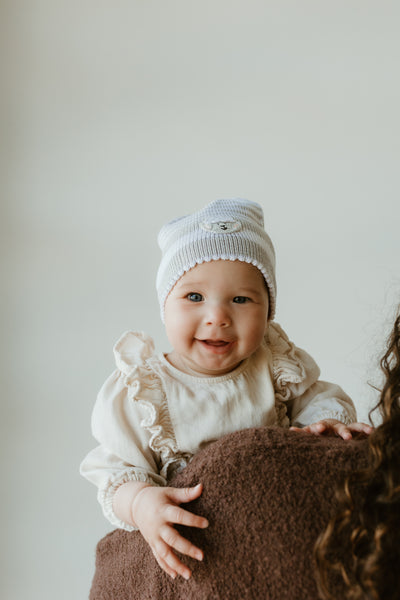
pixel 150 418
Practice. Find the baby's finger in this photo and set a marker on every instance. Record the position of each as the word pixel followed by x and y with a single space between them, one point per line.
pixel 173 539
pixel 180 516
pixel 165 553
pixel 310 428
pixel 361 427
pixel 183 495
pixel 342 431
pixel 317 428
pixel 165 567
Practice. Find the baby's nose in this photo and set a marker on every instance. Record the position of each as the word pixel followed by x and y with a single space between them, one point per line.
pixel 218 316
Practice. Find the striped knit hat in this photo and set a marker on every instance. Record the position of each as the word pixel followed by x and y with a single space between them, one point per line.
pixel 223 230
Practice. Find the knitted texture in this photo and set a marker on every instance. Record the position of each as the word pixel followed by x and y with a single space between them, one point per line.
pixel 223 230
pixel 268 493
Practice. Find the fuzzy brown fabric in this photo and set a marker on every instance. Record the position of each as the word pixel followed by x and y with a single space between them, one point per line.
pixel 267 495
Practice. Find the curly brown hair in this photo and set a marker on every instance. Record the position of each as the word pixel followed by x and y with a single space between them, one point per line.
pixel 360 548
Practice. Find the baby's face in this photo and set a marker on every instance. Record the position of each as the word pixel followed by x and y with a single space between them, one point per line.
pixel 216 316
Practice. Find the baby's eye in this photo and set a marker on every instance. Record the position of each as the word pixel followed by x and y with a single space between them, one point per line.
pixel 241 299
pixel 194 297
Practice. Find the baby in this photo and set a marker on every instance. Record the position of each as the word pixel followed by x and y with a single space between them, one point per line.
pixel 231 367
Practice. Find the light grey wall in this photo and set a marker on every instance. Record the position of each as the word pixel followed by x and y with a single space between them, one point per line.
pixel 117 116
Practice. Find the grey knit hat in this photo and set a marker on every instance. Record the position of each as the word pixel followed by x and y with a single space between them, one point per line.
pixel 223 230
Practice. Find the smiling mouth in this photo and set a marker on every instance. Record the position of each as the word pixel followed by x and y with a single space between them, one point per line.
pixel 216 346
pixel 215 342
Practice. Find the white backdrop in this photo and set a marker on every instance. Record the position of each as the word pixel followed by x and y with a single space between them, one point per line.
pixel 117 116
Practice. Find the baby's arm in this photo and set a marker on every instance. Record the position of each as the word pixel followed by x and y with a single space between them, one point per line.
pixel 313 406
pixel 125 466
pixel 154 510
pixel 335 427
pixel 324 409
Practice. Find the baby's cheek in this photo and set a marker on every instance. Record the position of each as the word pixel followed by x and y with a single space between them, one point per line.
pixel 255 337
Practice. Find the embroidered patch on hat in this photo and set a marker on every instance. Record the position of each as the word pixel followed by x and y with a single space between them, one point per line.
pixel 221 226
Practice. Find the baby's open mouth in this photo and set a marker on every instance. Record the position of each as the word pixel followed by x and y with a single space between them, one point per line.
pixel 216 346
pixel 216 343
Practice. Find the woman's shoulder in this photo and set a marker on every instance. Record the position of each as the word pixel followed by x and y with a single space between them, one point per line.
pixel 289 448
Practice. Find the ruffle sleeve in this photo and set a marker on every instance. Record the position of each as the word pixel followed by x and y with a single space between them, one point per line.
pixel 301 398
pixel 293 369
pixel 131 422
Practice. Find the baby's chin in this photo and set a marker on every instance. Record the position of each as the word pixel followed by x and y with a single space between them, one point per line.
pixel 213 367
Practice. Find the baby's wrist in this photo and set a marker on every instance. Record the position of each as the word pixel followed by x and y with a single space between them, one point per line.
pixel 124 498
pixel 136 500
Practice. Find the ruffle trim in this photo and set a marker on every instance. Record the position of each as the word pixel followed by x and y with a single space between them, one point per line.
pixel 132 352
pixel 286 365
pixel 175 465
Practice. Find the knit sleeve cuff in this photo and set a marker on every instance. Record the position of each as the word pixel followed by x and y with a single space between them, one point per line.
pixel 342 416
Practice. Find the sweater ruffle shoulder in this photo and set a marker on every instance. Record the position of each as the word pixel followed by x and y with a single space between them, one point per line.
pixel 134 353
pixel 293 369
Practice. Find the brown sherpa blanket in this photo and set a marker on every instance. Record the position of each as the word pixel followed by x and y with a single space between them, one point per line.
pixel 267 495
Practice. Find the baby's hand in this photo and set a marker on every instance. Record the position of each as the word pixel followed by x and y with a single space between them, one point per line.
pixel 335 427
pixel 155 510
